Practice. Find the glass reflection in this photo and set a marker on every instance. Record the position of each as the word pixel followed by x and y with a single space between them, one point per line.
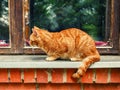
pixel 4 24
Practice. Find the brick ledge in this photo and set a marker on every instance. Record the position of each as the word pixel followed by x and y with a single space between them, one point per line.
pixel 38 61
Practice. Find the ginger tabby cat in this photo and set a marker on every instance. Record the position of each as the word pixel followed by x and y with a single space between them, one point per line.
pixel 73 44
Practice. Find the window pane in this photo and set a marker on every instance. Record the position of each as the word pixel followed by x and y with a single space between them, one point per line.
pixel 56 15
pixel 4 23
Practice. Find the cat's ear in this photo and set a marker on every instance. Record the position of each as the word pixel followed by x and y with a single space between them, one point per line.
pixel 34 31
pixel 35 27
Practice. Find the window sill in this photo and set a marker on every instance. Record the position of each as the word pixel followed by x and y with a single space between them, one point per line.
pixel 37 61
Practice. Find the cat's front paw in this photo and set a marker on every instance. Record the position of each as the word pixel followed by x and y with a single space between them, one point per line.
pixel 50 58
pixel 75 59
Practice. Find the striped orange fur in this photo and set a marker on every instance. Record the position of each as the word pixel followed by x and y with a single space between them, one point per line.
pixel 73 44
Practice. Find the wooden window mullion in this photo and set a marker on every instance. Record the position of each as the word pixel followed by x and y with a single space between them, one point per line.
pixel 16 26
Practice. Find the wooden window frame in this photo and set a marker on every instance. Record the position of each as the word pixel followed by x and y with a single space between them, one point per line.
pixel 16 30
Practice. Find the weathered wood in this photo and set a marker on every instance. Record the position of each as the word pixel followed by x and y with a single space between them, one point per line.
pixel 33 51
pixel 116 25
pixel 16 23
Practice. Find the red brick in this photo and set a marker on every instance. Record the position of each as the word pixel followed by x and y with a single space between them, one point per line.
pixel 69 74
pixel 42 76
pixel 17 87
pixel 102 87
pixel 3 86
pixel 88 76
pixel 115 76
pixel 27 87
pixel 3 75
pixel 101 76
pixel 15 75
pixel 57 75
pixel 59 87
pixel 29 75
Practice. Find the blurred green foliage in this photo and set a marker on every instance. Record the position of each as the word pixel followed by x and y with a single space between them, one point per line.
pixel 55 15
pixel 4 24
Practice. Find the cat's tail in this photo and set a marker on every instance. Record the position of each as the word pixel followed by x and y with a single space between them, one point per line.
pixel 85 65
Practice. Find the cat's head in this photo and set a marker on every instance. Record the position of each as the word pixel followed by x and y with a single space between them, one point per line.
pixel 35 39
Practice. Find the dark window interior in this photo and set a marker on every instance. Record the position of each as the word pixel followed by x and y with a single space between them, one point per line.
pixel 56 15
pixel 4 23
